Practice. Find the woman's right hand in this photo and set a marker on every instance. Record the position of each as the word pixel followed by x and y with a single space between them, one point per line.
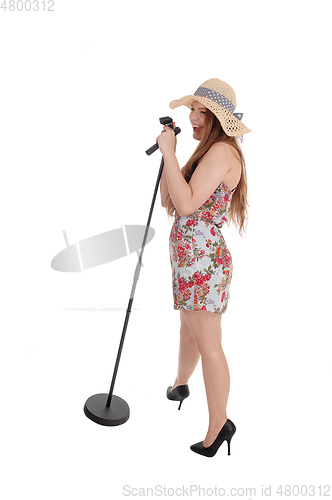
pixel 167 140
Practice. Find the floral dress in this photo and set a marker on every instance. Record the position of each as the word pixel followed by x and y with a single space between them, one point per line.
pixel 201 263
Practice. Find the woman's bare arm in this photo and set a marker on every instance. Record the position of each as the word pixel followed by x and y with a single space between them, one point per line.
pixel 211 170
pixel 163 189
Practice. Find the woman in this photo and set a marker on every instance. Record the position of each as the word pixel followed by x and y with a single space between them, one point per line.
pixel 211 186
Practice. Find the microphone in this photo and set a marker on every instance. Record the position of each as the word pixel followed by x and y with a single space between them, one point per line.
pixel 166 120
pixel 154 148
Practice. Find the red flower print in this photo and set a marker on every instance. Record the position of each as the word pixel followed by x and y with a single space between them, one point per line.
pixel 213 231
pixel 227 260
pixel 209 199
pixel 181 252
pixel 200 280
pixel 227 257
pixel 182 285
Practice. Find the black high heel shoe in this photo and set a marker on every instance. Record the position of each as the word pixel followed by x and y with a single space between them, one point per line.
pixel 226 434
pixel 179 393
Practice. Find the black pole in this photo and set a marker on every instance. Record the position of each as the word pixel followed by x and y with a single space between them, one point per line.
pixel 136 276
pixel 110 409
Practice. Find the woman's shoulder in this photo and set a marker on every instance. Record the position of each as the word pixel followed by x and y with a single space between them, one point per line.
pixel 224 152
pixel 224 149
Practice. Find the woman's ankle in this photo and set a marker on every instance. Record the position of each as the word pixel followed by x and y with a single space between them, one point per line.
pixel 176 383
pixel 216 424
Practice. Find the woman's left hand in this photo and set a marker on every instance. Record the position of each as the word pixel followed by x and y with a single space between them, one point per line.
pixel 167 140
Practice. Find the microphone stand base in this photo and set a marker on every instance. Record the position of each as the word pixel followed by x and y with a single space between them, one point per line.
pixel 116 414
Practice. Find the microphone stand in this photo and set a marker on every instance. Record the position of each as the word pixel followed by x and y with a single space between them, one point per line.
pixel 108 409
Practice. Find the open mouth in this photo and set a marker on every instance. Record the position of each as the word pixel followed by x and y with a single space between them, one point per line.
pixel 197 130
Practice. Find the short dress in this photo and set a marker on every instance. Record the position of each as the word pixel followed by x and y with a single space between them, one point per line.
pixel 201 263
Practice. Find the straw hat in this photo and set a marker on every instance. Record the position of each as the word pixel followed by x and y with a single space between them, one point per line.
pixel 219 98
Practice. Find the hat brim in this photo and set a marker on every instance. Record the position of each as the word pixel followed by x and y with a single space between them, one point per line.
pixel 232 126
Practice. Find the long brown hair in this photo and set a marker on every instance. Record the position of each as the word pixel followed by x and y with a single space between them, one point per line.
pixel 213 132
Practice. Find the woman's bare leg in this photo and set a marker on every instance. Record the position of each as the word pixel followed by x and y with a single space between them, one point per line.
pixel 206 329
pixel 188 354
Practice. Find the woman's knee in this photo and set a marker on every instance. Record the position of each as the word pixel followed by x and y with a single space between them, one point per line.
pixel 210 353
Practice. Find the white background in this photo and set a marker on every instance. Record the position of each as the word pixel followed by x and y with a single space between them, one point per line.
pixel 81 92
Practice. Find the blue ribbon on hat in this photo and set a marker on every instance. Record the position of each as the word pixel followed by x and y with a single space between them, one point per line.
pixel 238 116
pixel 219 99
